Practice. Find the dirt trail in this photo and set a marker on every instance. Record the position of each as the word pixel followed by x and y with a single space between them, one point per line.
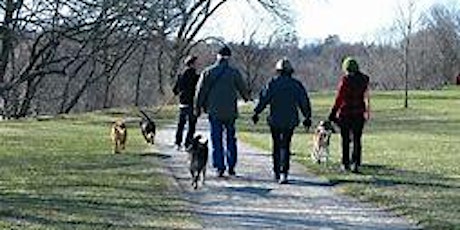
pixel 253 200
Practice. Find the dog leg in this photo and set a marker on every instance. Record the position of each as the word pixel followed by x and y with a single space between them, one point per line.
pixel 115 149
pixel 204 175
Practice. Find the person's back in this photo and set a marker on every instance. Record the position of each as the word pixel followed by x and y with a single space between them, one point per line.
pixel 286 97
pixel 185 86
pixel 354 88
pixel 219 90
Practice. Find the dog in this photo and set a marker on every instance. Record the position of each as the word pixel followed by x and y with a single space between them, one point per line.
pixel 321 138
pixel 148 128
pixel 198 155
pixel 119 134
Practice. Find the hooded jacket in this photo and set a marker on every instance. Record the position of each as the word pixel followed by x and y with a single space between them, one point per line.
pixel 285 95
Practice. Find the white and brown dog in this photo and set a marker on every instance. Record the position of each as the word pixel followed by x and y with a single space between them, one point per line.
pixel 321 138
pixel 119 134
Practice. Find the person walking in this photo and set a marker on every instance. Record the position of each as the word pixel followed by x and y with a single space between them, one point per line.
pixel 220 85
pixel 285 95
pixel 350 111
pixel 185 87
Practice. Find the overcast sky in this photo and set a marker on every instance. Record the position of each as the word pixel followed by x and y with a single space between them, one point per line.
pixel 352 20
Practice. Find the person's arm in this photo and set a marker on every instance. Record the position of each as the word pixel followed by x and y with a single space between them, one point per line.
pixel 242 87
pixel 176 88
pixel 340 93
pixel 338 99
pixel 367 101
pixel 264 98
pixel 203 90
pixel 304 102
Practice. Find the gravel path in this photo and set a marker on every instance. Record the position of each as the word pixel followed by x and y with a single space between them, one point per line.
pixel 252 199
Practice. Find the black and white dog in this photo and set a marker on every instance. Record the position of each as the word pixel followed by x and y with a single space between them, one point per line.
pixel 321 139
pixel 148 128
pixel 198 153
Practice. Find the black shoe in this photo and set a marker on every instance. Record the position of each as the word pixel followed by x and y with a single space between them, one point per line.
pixel 355 168
pixel 277 177
pixel 231 172
pixel 220 173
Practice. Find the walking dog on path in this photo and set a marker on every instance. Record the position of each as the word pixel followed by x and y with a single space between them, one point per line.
pixel 148 128
pixel 119 134
pixel 198 153
pixel 321 139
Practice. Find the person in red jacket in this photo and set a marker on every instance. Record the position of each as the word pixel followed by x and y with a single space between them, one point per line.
pixel 350 111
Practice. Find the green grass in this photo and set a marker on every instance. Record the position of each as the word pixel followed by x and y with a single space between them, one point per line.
pixel 60 173
pixel 411 156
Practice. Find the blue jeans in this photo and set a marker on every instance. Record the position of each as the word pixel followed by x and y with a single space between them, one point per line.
pixel 217 128
pixel 186 114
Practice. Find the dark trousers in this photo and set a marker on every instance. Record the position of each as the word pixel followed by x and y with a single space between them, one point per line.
pixel 281 149
pixel 353 126
pixel 185 115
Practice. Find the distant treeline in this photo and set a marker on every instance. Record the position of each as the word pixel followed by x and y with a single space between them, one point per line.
pixel 73 56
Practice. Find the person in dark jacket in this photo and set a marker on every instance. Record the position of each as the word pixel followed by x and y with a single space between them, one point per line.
pixel 185 87
pixel 220 86
pixel 350 111
pixel 285 95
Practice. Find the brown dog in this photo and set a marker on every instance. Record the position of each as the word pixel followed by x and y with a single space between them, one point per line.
pixel 119 134
pixel 321 140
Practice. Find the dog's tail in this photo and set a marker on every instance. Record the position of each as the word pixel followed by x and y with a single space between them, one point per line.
pixel 146 116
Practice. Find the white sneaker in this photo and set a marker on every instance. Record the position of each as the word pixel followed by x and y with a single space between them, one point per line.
pixel 283 178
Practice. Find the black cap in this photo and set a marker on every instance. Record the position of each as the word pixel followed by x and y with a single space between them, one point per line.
pixel 225 51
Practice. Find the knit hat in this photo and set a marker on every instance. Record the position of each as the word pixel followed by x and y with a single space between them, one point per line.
pixel 350 65
pixel 225 51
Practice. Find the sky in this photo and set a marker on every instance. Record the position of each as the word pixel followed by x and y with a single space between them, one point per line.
pixel 314 20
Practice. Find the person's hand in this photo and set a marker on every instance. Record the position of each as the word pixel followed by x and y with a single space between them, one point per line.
pixel 197 112
pixel 306 123
pixel 255 118
pixel 333 115
pixel 367 115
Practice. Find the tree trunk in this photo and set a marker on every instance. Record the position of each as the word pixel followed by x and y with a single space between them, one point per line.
pixel 5 34
pixel 139 75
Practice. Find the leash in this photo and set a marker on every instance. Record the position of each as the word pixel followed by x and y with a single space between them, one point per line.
pixel 159 109
pixel 141 113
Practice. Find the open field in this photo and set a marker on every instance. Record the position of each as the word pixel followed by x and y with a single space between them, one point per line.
pixel 61 174
pixel 411 156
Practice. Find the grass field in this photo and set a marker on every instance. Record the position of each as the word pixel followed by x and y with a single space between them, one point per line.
pixel 61 174
pixel 411 156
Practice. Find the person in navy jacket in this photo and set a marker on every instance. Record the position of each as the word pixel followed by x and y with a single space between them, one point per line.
pixel 286 96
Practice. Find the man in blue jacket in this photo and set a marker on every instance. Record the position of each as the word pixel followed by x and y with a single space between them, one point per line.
pixel 285 95
pixel 220 86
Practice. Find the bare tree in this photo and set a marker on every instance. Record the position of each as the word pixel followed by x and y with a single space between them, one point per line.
pixel 405 24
